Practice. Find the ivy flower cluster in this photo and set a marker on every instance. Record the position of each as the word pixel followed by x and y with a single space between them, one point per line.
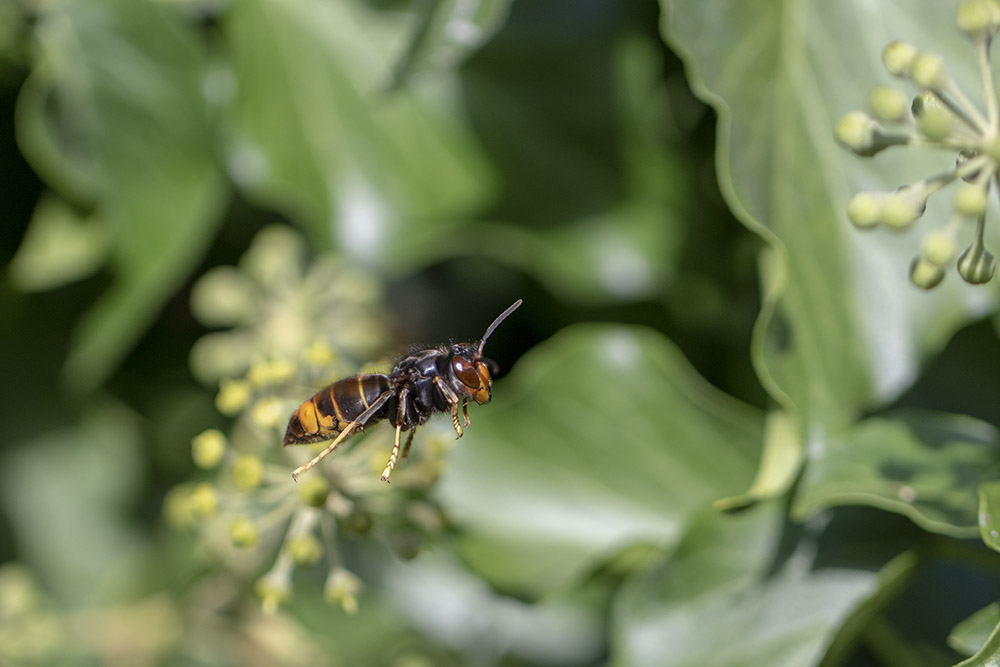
pixel 941 115
pixel 291 330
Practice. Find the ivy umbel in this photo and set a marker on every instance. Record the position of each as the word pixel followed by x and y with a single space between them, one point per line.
pixel 942 116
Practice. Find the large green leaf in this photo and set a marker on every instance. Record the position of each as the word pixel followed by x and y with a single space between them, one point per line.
pixel 113 116
pixel 928 466
pixel 601 437
pixel 446 31
pixel 314 133
pixel 728 596
pixel 841 329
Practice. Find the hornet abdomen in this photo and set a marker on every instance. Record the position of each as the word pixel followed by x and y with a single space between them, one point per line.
pixel 332 408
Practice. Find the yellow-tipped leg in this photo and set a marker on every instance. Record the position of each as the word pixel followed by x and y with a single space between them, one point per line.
pixel 454 419
pixel 465 411
pixel 392 457
pixel 319 457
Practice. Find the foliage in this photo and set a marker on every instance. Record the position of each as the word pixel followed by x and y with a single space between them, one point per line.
pixel 713 443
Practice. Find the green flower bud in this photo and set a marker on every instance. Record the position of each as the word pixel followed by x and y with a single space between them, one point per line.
pixel 865 210
pixel 979 19
pixel 275 255
pixel 224 297
pixel 933 118
pixel 273 591
pixel 976 265
pixel 938 247
pixel 971 200
pixel 887 104
pixel 901 209
pixel 248 472
pixel 207 448
pixel 924 274
pixel 859 133
pixel 233 396
pixel 314 491
pixel 204 500
pixel 243 532
pixel 269 412
pixel 342 588
pixel 177 507
pixel 927 71
pixel 898 58
pixel 305 550
pixel 358 522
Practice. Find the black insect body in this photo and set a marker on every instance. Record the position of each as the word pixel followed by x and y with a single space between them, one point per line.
pixel 439 379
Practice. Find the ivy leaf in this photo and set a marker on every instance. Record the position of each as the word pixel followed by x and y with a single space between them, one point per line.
pixel 927 466
pixel 841 330
pixel 600 438
pixel 113 116
pixel 773 609
pixel 446 31
pixel 314 132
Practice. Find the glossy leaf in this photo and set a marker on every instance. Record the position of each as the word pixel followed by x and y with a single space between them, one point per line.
pixel 927 466
pixel 600 438
pixel 988 655
pixel 115 117
pixel 446 31
pixel 314 132
pixel 725 597
pixel 989 514
pixel 842 330
pixel 973 633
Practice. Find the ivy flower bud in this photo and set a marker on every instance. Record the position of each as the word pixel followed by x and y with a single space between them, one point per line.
pixel 248 472
pixel 979 19
pixel 305 550
pixel 865 210
pixel 898 58
pixel 207 448
pixel 902 208
pixel 860 133
pixel 203 501
pixel 976 264
pixel 273 591
pixel 342 588
pixel 970 200
pixel 933 118
pixel 223 297
pixel 268 412
pixel 314 491
pixel 887 104
pixel 243 532
pixel 927 71
pixel 924 274
pixel 938 247
pixel 233 396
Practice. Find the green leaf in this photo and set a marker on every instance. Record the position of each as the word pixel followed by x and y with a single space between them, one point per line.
pixel 841 329
pixel 446 31
pixel 973 633
pixel 314 133
pixel 927 466
pixel 59 247
pixel 989 514
pixel 988 655
pixel 69 496
pixel 601 437
pixel 119 122
pixel 726 598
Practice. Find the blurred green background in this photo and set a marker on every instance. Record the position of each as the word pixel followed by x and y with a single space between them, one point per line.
pixel 727 430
